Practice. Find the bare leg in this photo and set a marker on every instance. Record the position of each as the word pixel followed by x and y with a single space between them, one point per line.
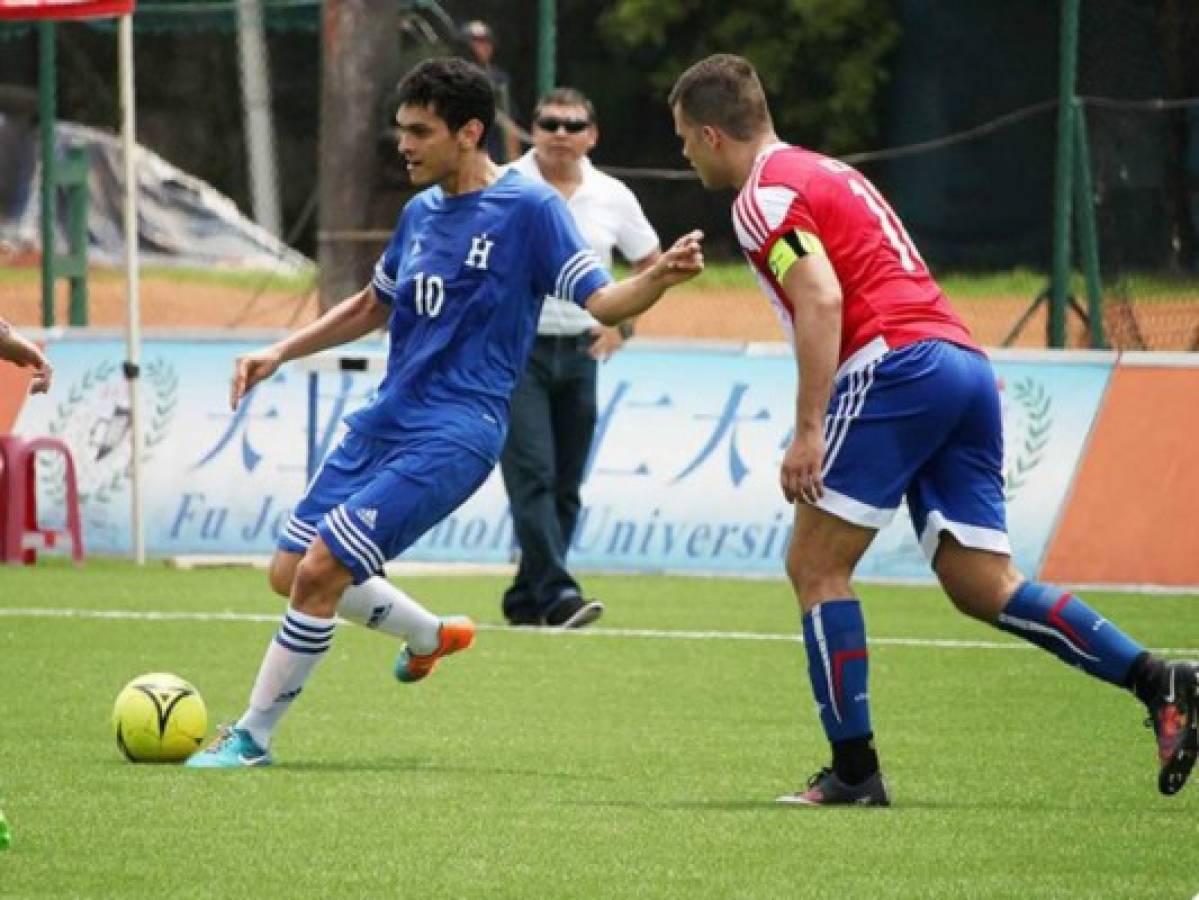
pixel 823 553
pixel 282 572
pixel 990 588
pixel 980 583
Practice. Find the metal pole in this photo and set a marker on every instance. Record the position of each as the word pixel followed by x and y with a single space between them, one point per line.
pixel 47 113
pixel 1063 193
pixel 1088 243
pixel 256 111
pixel 547 47
pixel 75 178
pixel 133 322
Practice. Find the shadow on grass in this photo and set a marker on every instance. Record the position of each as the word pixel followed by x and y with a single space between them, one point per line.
pixel 714 805
pixel 398 765
pixel 393 765
pixel 1170 811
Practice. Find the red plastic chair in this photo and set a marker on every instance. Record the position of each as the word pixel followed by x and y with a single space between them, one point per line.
pixel 20 535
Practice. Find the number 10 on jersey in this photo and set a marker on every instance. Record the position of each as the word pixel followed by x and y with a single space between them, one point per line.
pixel 429 294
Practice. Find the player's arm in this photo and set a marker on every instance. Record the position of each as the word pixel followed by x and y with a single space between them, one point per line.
pixel 354 317
pixel 625 299
pixel 641 265
pixel 811 285
pixel 646 262
pixel 608 338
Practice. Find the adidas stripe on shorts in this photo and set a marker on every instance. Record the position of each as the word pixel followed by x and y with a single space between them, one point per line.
pixel 373 498
pixel 921 423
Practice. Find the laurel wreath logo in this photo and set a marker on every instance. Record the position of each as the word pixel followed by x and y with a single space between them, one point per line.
pixel 1037 407
pixel 163 381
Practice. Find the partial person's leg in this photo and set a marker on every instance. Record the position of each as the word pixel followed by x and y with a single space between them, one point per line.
pixel 413 486
pixel 371 500
pixel 404 491
pixel 823 553
pixel 304 636
pixel 282 571
pixel 573 414
pixel 527 467
pixel 886 416
pixel 375 603
pixel 381 606
pixel 988 587
pixel 307 630
pixel 957 506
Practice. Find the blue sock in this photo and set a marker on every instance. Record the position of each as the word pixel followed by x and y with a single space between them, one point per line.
pixel 1065 626
pixel 834 636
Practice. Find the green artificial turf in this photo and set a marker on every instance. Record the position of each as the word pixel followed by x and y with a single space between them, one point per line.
pixel 638 758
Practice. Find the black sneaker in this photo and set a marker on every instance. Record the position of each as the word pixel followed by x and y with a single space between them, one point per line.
pixel 522 617
pixel 1174 717
pixel 574 612
pixel 519 608
pixel 826 789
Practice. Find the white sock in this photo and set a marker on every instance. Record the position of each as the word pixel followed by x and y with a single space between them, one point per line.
pixel 379 604
pixel 292 655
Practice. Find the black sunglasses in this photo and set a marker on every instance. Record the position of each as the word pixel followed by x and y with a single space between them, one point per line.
pixel 553 123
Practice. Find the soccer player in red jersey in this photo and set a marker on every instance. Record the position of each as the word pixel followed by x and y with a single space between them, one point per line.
pixel 895 402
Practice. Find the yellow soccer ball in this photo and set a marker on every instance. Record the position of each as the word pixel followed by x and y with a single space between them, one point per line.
pixel 159 717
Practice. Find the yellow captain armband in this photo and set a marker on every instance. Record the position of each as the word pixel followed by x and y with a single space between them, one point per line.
pixel 788 249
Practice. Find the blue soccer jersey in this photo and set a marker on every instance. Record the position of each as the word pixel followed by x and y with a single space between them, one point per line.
pixel 465 276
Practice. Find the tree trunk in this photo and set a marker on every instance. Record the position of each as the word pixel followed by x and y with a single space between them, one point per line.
pixel 359 41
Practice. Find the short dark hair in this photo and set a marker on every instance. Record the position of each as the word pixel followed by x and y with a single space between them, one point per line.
pixel 456 90
pixel 723 90
pixel 565 96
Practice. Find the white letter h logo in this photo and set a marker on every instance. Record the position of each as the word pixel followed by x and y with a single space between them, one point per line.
pixel 480 249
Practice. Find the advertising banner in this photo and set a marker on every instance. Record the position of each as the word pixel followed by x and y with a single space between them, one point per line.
pixel 683 474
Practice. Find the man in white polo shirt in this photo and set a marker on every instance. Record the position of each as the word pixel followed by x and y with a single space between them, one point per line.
pixel 554 406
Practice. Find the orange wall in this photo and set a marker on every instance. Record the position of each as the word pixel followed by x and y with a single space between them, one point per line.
pixel 1133 515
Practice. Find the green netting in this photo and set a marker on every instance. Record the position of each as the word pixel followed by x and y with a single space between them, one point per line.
pixel 1137 77
pixel 977 91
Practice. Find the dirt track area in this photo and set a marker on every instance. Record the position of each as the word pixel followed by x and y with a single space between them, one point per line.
pixel 733 314
pixel 728 315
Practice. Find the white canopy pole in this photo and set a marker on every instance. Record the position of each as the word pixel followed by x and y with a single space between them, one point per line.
pixel 132 297
pixel 256 111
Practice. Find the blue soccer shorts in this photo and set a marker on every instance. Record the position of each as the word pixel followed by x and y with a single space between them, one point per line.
pixel 921 423
pixel 372 498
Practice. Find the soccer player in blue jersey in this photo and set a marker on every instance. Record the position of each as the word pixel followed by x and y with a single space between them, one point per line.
pixel 459 288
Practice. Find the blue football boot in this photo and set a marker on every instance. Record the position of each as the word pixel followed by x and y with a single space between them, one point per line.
pixel 232 748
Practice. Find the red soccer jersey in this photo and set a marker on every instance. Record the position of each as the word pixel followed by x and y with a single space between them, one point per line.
pixel 889 299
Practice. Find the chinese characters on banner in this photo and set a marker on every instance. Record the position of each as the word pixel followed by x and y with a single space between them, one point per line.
pixel 683 474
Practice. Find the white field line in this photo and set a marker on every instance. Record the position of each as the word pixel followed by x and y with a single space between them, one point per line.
pixel 654 633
